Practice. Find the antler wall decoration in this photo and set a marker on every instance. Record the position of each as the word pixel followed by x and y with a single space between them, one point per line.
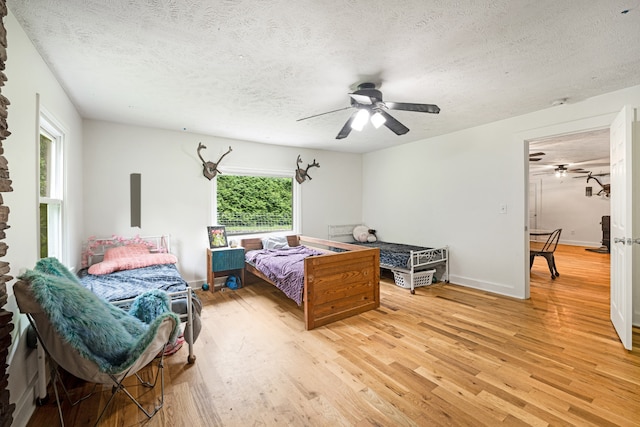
pixel 303 174
pixel 606 188
pixel 210 169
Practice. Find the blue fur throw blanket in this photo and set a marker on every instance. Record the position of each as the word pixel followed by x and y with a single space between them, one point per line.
pixel 99 331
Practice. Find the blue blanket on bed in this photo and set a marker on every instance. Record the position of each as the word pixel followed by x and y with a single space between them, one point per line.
pixel 392 255
pixel 100 332
pixel 127 284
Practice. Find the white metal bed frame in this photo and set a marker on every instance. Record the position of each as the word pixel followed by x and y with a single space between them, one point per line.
pixel 161 244
pixel 419 261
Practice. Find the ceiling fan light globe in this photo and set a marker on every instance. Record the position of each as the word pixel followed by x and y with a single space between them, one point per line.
pixel 377 120
pixel 360 120
pixel 561 172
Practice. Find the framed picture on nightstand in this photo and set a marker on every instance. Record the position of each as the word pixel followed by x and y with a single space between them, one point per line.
pixel 217 236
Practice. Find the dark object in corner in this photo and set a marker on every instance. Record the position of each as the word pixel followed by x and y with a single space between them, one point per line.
pixel 600 250
pixel 606 239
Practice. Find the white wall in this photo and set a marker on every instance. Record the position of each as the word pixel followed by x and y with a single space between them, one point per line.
pixel 176 197
pixel 28 75
pixel 562 204
pixel 447 190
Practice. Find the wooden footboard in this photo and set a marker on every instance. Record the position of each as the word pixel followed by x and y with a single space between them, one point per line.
pixel 336 285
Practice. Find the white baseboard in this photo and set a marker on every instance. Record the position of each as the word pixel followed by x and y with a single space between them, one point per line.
pixel 23 376
pixel 496 288
pixel 580 243
pixel 25 407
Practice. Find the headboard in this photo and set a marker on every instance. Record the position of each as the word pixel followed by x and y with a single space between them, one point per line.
pixel 94 248
pixel 254 243
pixel 342 233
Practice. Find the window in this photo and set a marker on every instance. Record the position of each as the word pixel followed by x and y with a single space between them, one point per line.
pixel 51 189
pixel 256 203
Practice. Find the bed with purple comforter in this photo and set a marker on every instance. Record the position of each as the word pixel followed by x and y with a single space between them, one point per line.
pixel 331 286
pixel 284 267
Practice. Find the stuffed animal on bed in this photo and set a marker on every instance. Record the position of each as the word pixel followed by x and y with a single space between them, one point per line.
pixel 362 233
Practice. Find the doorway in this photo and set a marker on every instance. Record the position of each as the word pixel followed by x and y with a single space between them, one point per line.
pixel 555 135
pixel 568 175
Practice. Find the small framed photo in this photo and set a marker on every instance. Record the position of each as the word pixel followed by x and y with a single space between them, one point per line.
pixel 217 236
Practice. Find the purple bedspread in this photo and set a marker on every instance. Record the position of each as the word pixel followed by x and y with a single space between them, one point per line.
pixel 285 267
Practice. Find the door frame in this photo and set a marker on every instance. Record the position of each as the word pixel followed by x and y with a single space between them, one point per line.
pixel 536 201
pixel 576 126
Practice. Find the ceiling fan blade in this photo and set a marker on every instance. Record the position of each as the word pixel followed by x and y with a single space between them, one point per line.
pixel 593 162
pixel 322 114
pixel 346 129
pixel 397 127
pixel 420 108
pixel 361 99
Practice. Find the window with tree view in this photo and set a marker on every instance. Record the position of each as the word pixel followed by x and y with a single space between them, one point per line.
pixel 50 190
pixel 255 204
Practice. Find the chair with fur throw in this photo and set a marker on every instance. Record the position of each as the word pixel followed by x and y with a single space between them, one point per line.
pixel 90 338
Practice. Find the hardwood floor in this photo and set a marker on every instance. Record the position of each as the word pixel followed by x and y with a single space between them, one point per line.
pixel 447 355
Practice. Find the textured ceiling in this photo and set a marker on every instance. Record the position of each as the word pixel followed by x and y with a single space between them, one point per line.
pixel 585 151
pixel 249 69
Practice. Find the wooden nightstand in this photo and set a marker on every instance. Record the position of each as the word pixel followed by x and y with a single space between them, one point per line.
pixel 227 260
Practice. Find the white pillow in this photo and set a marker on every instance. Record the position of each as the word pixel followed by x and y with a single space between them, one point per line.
pixel 361 233
pixel 275 242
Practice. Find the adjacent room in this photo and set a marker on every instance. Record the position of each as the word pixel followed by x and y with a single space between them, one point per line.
pixel 569 190
pixel 319 213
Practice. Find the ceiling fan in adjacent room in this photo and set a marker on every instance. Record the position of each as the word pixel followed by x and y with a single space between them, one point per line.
pixel 560 171
pixel 563 169
pixel 367 101
pixel 536 157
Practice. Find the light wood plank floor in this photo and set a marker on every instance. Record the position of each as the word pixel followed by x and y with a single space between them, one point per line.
pixel 447 355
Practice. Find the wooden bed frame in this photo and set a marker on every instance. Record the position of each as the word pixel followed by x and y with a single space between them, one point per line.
pixel 336 285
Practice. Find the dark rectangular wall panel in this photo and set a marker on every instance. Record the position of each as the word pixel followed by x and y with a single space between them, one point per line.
pixel 136 193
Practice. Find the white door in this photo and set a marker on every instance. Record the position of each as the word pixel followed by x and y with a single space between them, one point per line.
pixel 622 225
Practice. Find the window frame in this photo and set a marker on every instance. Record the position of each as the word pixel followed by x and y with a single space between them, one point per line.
pixel 268 173
pixel 55 200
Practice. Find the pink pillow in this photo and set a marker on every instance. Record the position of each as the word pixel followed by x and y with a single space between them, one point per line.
pixel 129 263
pixel 127 251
